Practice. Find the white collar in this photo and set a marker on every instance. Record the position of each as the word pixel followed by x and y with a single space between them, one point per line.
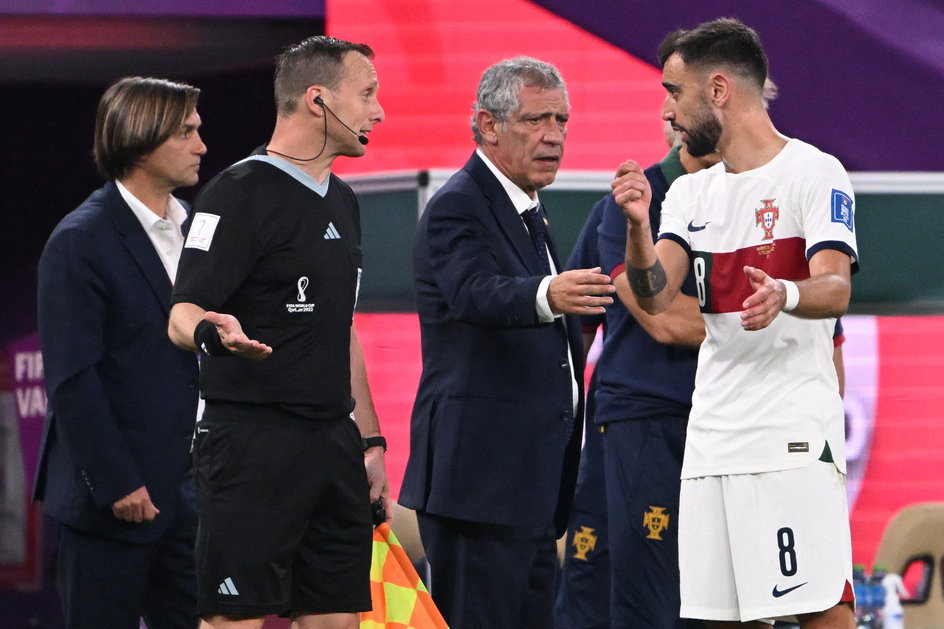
pixel 519 198
pixel 176 213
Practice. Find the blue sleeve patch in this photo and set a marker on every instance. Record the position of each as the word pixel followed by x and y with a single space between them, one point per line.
pixel 842 208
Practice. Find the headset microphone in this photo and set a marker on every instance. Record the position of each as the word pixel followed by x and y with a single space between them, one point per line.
pixel 360 136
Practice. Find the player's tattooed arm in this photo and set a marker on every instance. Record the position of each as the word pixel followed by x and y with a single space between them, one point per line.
pixel 647 282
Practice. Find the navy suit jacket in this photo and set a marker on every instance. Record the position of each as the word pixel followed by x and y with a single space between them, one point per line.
pixel 494 437
pixel 122 397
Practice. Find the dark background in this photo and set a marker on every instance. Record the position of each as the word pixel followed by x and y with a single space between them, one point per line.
pixel 48 123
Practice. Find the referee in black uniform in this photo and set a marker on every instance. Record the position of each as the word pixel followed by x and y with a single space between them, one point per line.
pixel 266 291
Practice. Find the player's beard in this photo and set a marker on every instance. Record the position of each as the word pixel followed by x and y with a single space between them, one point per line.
pixel 704 134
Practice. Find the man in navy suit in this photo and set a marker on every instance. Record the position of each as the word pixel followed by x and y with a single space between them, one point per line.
pixel 114 470
pixel 496 426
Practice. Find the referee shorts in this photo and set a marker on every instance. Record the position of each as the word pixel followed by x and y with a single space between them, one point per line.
pixel 284 514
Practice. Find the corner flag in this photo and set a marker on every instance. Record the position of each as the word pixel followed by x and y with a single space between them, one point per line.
pixel 398 596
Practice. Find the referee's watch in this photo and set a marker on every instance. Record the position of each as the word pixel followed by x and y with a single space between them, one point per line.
pixel 372 442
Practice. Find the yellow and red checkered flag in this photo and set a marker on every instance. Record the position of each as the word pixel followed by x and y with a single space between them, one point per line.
pixel 397 594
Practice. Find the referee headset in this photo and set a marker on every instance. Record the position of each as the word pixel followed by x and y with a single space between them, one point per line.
pixel 363 139
pixel 360 136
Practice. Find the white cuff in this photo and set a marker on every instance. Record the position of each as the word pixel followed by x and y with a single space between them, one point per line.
pixel 541 304
pixel 793 295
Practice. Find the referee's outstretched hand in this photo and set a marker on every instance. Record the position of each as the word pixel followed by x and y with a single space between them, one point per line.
pixel 234 339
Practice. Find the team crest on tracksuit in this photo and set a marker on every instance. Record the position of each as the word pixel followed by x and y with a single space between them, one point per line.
pixel 584 541
pixel 656 520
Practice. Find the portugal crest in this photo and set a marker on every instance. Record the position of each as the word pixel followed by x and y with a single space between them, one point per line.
pixel 656 520
pixel 584 541
pixel 767 217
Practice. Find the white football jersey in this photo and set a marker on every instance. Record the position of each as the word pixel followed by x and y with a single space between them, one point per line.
pixel 764 400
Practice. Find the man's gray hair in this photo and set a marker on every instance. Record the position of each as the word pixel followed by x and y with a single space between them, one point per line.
pixel 501 83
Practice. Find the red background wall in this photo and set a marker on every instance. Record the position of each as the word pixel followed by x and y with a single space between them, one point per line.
pixel 431 54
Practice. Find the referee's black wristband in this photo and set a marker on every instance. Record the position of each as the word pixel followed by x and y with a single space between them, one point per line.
pixel 208 341
pixel 373 442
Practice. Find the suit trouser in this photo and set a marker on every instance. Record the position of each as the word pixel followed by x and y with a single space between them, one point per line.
pixel 110 583
pixel 485 576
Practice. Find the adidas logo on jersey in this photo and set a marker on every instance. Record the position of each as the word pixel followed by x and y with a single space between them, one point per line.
pixel 332 232
pixel 228 588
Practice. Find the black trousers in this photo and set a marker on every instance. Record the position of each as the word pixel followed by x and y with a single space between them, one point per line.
pixel 485 576
pixel 109 583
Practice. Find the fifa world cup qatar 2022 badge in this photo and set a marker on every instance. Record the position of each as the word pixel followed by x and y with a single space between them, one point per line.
pixel 842 209
pixel 301 303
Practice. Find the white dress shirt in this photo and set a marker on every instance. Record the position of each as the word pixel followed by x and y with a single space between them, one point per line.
pixel 522 203
pixel 164 233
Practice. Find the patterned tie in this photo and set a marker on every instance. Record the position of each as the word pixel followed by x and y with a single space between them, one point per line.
pixel 534 221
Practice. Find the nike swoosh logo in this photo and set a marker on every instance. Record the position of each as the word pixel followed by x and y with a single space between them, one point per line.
pixel 698 228
pixel 778 593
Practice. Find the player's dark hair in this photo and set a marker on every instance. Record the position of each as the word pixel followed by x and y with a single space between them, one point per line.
pixel 723 42
pixel 669 45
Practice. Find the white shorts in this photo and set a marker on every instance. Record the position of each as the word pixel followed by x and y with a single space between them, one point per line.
pixel 764 546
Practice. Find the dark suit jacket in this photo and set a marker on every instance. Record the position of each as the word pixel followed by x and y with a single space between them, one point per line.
pixel 494 437
pixel 122 397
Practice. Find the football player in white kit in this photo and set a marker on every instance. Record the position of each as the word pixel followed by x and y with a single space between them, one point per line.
pixel 769 232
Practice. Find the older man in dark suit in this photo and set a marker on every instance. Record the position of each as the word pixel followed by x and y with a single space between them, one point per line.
pixel 496 425
pixel 114 471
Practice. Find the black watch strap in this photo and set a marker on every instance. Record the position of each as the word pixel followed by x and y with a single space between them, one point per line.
pixel 373 442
